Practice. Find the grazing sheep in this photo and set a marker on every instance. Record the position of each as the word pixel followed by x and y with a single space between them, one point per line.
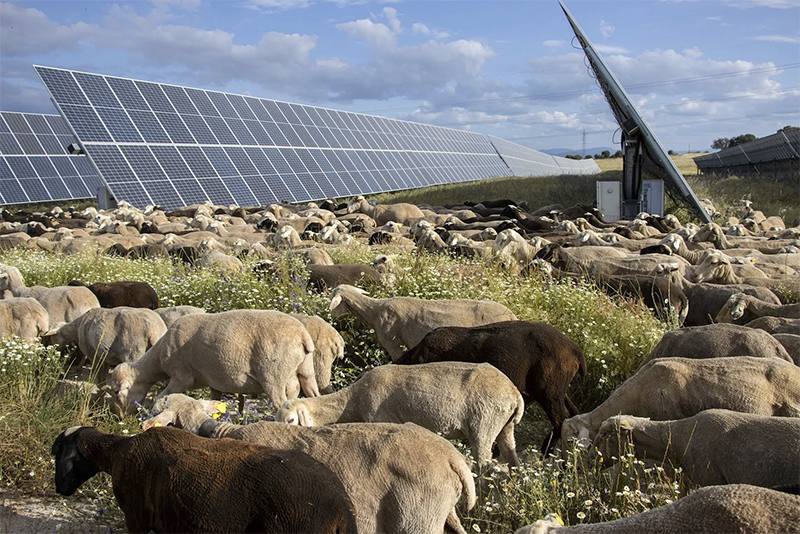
pixel 401 478
pixel 706 300
pixel 400 212
pixel 111 335
pixel 168 480
pixel 711 510
pixel 405 320
pixel 328 346
pixel 325 277
pixel 674 388
pixel 741 309
pixel 124 293
pixel 286 236
pixel 173 313
pixel 775 325
pixel 660 294
pixel 23 317
pixel 63 303
pixel 713 447
pixel 456 399
pixel 540 360
pixel 717 341
pixel 238 351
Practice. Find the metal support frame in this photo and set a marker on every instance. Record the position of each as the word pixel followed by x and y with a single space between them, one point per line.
pixel 631 175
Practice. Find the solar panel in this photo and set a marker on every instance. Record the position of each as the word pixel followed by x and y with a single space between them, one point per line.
pixel 526 161
pixel 170 145
pixel 35 165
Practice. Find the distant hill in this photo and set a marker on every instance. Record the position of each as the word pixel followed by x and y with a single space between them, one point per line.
pixel 564 151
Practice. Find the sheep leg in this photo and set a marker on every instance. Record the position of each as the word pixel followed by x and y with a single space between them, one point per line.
pixel 508 445
pixel 571 408
pixel 308 381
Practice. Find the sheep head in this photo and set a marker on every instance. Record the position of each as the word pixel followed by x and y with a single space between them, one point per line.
pixel 183 411
pixel 615 435
pixel 339 305
pixel 124 388
pixel 72 469
pixel 550 523
pixel 575 428
pixel 295 412
pixel 733 310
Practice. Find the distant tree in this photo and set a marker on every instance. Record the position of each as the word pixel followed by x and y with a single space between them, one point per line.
pixel 617 154
pixel 725 142
pixel 605 154
pixel 671 152
pixel 787 128
pixel 587 156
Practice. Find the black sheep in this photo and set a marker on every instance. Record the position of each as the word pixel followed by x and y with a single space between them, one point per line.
pixel 540 360
pixel 168 480
pixel 124 293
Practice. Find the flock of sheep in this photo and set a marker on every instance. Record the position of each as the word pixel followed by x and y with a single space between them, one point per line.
pixel 719 398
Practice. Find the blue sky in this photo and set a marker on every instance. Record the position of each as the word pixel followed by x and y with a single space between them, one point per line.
pixel 697 69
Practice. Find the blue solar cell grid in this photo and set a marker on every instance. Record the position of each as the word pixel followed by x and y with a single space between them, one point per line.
pixel 35 165
pixel 242 149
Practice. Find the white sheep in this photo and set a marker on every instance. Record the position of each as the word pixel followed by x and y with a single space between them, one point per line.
pixel 328 346
pixel 402 321
pixel 717 509
pixel 401 478
pixel 674 388
pixel 63 303
pixel 111 335
pixel 286 236
pixel 23 317
pixel 173 313
pixel 455 399
pixel 741 309
pixel 238 351
pixel 712 447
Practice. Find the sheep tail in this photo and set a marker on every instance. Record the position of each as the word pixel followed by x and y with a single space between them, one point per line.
pixel 581 363
pixel 468 498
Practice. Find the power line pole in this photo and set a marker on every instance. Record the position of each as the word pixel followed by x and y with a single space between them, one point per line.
pixel 583 150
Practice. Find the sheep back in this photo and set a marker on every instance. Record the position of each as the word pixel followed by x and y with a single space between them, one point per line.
pixel 23 317
pixel 238 351
pixel 718 341
pixel 539 359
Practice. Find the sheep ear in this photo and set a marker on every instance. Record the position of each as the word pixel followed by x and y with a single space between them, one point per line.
pixel 335 301
pixel 163 419
pixel 585 238
pixel 303 417
pixel 625 425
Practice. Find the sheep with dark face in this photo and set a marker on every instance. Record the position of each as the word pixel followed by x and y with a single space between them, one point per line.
pixel 168 480
pixel 402 479
pixel 540 360
pixel 132 294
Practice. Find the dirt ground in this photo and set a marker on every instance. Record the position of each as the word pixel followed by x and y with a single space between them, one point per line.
pixel 35 515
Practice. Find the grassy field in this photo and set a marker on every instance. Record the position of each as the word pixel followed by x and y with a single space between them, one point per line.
pixel 684 162
pixel 615 334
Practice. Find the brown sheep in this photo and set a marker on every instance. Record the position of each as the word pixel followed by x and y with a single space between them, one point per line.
pixel 168 480
pixel 540 360
pixel 124 293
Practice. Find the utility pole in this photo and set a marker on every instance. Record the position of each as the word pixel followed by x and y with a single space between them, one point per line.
pixel 583 150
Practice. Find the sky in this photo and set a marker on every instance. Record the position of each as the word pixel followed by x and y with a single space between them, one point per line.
pixel 696 69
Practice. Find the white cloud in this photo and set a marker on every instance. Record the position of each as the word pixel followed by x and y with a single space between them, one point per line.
pixel 554 43
pixel 27 31
pixel 792 39
pixel 606 29
pixel 419 28
pixel 609 49
pixel 778 4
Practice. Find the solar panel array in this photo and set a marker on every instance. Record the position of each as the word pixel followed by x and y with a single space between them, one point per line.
pixel 35 165
pixel 173 146
pixel 784 145
pixel 525 161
